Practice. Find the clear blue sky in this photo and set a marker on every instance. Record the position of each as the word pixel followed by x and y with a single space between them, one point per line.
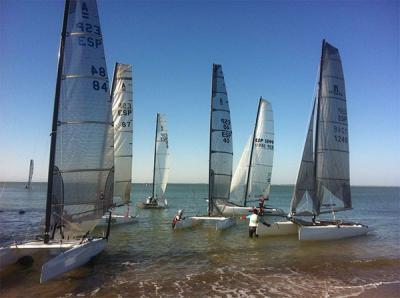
pixel 265 48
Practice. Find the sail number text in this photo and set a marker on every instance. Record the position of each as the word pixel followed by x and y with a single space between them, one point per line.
pixel 264 143
pixel 226 132
pixel 97 85
pixel 340 134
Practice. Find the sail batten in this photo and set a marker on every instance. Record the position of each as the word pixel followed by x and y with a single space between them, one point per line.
pixel 76 200
pixel 122 109
pixel 221 151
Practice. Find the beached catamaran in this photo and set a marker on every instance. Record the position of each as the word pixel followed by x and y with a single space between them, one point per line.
pixel 80 180
pixel 28 184
pixel 122 110
pixel 252 179
pixel 161 167
pixel 220 157
pixel 323 182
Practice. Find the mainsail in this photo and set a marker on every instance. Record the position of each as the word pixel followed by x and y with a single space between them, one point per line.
pixel 331 176
pixel 161 159
pixel 252 178
pixel 28 184
pixel 221 151
pixel 122 108
pixel 80 181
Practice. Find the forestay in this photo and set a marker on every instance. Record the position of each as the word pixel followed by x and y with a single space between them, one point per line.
pixel 252 178
pixel 220 167
pixel 81 177
pixel 324 171
pixel 161 159
pixel 122 108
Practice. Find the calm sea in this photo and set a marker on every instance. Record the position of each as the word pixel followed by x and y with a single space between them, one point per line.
pixel 148 259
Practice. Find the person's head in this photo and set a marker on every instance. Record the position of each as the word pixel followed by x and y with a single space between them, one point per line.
pixel 180 212
pixel 255 211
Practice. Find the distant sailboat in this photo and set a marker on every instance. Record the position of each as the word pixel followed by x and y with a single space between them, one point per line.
pixel 161 167
pixel 122 109
pixel 220 157
pixel 252 179
pixel 28 184
pixel 80 180
pixel 323 183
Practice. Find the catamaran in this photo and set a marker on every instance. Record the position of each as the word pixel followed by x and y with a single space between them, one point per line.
pixel 252 179
pixel 220 157
pixel 161 167
pixel 28 184
pixel 122 110
pixel 81 170
pixel 323 182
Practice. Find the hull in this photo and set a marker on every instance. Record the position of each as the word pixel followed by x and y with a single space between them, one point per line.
pixel 221 223
pixel 11 254
pixel 280 228
pixel 117 220
pixel 143 205
pixel 228 210
pixel 72 258
pixel 186 223
pixel 331 231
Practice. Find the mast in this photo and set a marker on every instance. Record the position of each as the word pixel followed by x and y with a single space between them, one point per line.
pixel 317 120
pixel 155 152
pixel 54 124
pixel 251 153
pixel 210 173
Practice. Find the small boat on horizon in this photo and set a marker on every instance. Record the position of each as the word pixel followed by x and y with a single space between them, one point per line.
pixel 28 184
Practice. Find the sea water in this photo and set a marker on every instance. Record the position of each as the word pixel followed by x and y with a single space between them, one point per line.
pixel 150 259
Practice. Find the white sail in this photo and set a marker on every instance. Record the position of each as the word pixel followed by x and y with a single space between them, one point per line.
pixel 81 177
pixel 252 178
pixel 122 108
pixel 28 184
pixel 221 151
pixel 332 140
pixel 161 159
pixel 239 179
pixel 263 154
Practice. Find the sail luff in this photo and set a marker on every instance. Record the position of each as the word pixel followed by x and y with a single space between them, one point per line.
pixel 54 124
pixel 122 109
pixel 30 175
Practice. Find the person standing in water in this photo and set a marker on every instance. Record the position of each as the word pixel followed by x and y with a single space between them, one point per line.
pixel 177 217
pixel 254 220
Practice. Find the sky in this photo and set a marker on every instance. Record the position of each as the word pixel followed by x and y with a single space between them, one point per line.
pixel 266 48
